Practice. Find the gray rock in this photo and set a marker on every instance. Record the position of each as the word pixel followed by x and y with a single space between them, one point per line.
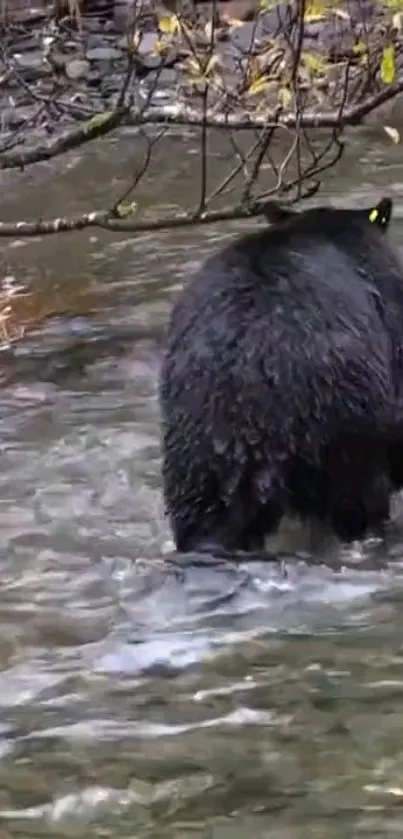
pixel 148 43
pixel 15 117
pixel 150 57
pixel 110 27
pixel 30 42
pixel 121 15
pixel 77 68
pixel 32 60
pixel 32 66
pixel 104 53
pixel 96 40
pixel 92 24
pixel 246 37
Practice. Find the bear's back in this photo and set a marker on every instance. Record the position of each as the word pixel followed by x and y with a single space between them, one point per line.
pixel 284 311
pixel 303 269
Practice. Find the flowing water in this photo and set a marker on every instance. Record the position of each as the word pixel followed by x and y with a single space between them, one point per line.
pixel 135 702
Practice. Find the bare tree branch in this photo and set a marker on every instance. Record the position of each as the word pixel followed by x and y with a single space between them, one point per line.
pixel 108 221
pixel 190 116
pixel 95 127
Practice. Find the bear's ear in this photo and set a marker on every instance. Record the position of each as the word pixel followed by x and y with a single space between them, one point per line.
pixel 275 212
pixel 381 214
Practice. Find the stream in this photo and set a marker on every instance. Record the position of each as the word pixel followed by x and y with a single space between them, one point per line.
pixel 135 701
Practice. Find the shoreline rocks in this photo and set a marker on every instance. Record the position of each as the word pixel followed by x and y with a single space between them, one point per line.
pixel 54 74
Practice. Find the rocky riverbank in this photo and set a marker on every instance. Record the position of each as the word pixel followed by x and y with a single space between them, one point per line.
pixel 54 74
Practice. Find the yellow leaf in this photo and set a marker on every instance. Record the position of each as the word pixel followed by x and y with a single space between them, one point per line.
pixel 313 17
pixel 341 13
pixel 314 10
pixel 388 65
pixel 169 25
pixel 392 133
pixel 313 62
pixel 211 63
pixel 252 69
pixel 192 65
pixel 267 5
pixel 97 120
pixel 160 47
pixel 258 86
pixel 201 67
pixel 285 96
pixel 232 22
pixel 359 48
pixel 125 210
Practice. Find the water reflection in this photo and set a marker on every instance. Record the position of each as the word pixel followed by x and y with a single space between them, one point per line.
pixel 137 699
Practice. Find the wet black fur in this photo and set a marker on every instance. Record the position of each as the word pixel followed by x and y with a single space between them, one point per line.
pixel 280 386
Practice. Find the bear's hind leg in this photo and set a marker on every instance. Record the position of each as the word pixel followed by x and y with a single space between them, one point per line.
pixel 360 488
pixel 223 528
pixel 396 465
pixel 264 523
pixel 223 534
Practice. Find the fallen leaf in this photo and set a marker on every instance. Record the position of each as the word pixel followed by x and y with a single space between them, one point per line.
pixel 341 13
pixel 313 62
pixel 169 25
pixel 285 96
pixel 211 63
pixel 392 133
pixel 360 48
pixel 97 120
pixel 233 22
pixel 397 21
pixel 258 85
pixel 388 65
pixel 160 47
pixel 314 11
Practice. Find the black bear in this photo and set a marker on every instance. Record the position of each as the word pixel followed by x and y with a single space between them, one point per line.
pixel 281 382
